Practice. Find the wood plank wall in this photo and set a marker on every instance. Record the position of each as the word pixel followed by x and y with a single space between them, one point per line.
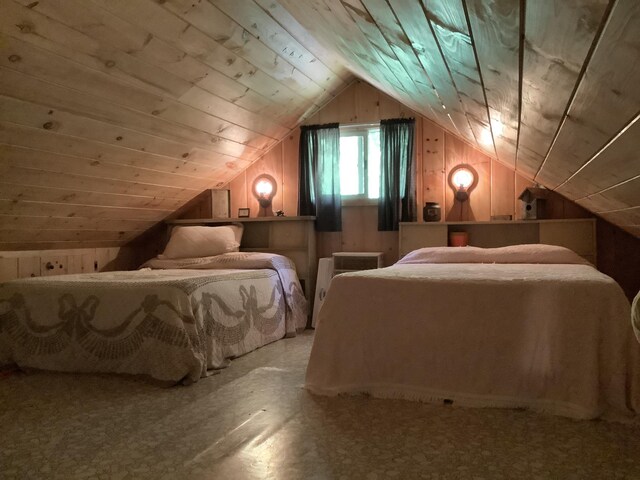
pixel 114 114
pixel 437 152
pixel 37 263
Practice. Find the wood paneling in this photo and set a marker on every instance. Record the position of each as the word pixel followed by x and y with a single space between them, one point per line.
pixel 189 39
pixel 151 54
pixel 365 101
pixel 12 222
pixel 420 32
pixel 55 140
pixel 612 165
pixel 140 207
pixel 619 256
pixel 496 33
pixel 290 168
pixel 617 197
pixel 449 24
pixel 57 69
pixel 254 19
pixel 606 101
pixel 30 266
pixel 556 45
pixel 433 163
pixel 625 217
pixel 232 41
pixel 378 19
pixel 360 233
pixel 36 263
pixel 532 84
pixel 126 110
pixel 148 182
pixel 8 269
pixel 503 199
pixel 297 31
pixel 239 193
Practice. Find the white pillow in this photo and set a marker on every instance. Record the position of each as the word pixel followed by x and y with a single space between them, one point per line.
pixel 530 253
pixel 197 241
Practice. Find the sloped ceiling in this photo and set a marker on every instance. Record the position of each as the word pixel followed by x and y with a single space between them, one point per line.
pixel 114 113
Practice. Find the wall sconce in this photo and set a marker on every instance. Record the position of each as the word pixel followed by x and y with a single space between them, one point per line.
pixel 264 189
pixel 462 180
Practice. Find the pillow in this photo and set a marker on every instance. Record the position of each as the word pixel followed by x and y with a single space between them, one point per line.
pixel 533 253
pixel 197 241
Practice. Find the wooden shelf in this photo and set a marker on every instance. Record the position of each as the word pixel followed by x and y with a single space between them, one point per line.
pixel 354 261
pixel 209 221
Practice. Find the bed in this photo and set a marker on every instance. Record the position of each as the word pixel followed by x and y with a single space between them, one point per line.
pixel 530 326
pixel 177 319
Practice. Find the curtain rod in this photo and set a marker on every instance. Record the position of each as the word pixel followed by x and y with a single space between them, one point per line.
pixel 359 125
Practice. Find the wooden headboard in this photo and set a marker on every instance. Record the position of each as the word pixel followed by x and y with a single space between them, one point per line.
pixel 577 234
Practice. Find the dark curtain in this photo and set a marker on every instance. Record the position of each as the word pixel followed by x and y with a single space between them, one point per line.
pixel 319 192
pixel 397 202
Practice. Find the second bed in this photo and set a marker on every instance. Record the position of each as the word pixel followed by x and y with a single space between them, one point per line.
pixel 528 326
pixel 176 320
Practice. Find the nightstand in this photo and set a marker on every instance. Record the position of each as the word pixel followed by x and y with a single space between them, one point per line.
pixel 354 261
pixel 341 262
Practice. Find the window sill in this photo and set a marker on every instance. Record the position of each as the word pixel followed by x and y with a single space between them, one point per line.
pixel 359 202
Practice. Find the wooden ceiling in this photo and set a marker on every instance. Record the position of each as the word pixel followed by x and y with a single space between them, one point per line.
pixel 114 113
pixel 548 87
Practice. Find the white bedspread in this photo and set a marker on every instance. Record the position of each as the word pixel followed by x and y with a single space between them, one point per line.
pixel 554 338
pixel 173 324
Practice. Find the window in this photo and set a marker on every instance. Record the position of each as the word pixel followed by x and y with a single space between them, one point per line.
pixel 360 162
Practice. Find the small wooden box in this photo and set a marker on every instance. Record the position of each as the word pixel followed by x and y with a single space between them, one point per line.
pixel 210 203
pixel 220 204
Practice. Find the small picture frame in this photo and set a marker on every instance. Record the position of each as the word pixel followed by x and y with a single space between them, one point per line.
pixel 243 212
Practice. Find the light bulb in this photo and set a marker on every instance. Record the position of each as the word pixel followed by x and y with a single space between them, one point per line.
pixel 462 178
pixel 264 187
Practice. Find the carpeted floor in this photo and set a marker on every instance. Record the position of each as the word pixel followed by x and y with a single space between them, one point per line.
pixel 255 421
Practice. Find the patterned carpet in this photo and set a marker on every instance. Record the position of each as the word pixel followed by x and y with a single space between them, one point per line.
pixel 255 421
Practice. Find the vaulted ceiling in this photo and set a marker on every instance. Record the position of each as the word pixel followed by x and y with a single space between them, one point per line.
pixel 114 113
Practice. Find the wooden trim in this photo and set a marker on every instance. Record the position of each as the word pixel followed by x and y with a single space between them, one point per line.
pixel 241 220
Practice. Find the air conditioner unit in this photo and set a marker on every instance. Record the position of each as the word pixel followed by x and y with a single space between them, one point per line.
pixel 325 273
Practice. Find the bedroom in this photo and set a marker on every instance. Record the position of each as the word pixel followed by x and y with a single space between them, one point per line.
pixel 117 116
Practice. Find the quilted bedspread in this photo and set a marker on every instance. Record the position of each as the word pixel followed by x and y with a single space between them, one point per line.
pixel 172 324
pixel 553 338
